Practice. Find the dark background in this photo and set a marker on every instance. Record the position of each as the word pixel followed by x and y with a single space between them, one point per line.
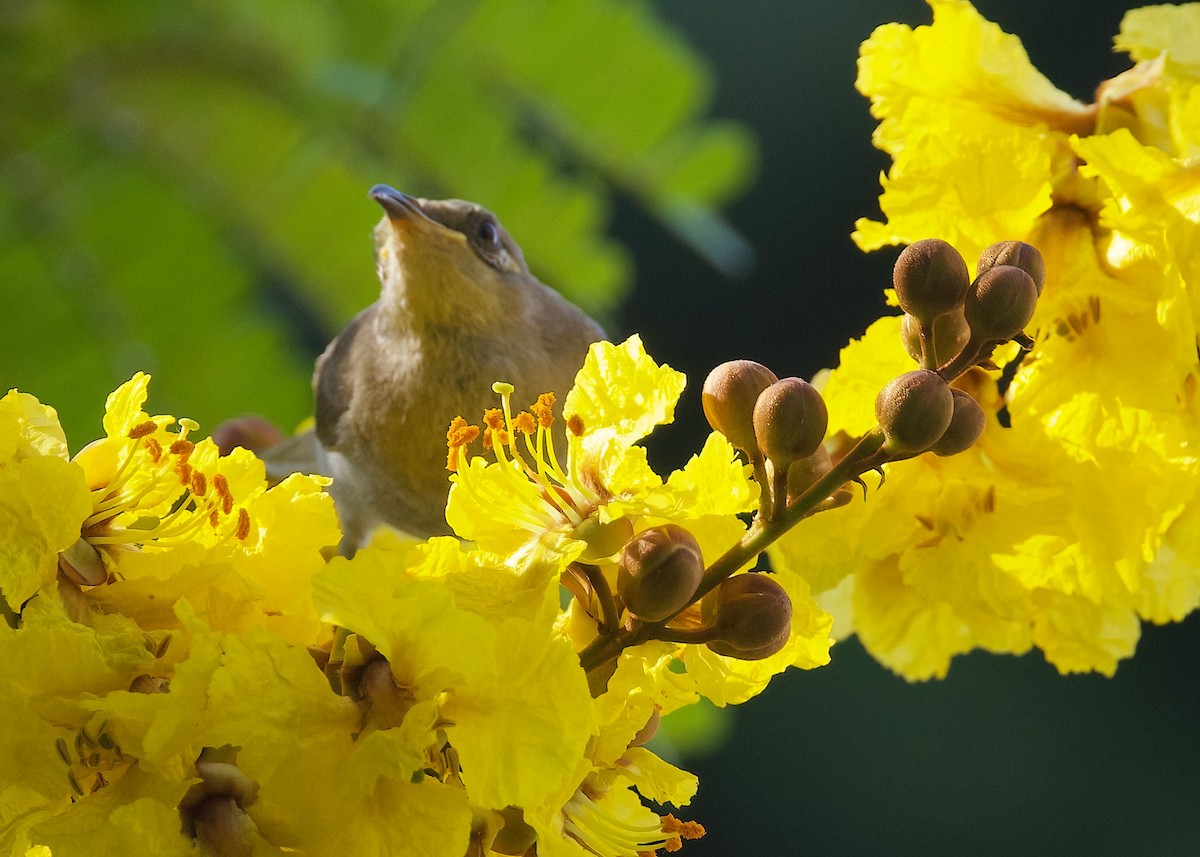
pixel 1004 757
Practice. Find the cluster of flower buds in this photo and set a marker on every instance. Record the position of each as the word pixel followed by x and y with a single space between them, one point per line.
pixel 951 324
pixel 661 573
pixel 778 423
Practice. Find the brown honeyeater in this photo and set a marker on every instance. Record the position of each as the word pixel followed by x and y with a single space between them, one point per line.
pixel 458 310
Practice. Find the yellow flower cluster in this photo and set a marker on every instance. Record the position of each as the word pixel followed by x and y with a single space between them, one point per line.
pixel 1075 515
pixel 157 600
pixel 188 664
pixel 194 668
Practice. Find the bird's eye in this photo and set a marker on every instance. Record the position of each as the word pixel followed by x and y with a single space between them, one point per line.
pixel 488 234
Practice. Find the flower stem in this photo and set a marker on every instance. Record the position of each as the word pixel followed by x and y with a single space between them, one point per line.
pixel 865 455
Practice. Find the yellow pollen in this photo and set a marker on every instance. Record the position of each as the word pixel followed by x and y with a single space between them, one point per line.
pixel 543 410
pixel 199 484
pixel 143 429
pixel 525 423
pixel 185 472
pixel 182 448
pixel 680 830
pixel 461 432
pixel 575 425
pixel 154 448
pixel 214 519
pixel 458 435
pixel 243 525
pixel 493 418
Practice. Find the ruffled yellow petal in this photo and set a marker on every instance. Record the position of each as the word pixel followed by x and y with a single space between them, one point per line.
pixel 713 482
pixel 1170 584
pixel 657 780
pixel 960 59
pixel 123 408
pixel 43 499
pixel 621 393
pixel 1078 635
pixel 522 728
pixel 1149 31
pixel 28 428
pixel 137 814
pixel 965 178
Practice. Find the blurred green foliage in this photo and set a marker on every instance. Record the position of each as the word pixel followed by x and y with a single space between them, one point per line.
pixel 183 184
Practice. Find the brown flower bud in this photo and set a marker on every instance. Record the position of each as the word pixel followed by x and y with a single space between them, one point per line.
pixel 250 432
pixel 790 419
pixel 729 394
pixel 1019 255
pixel 950 335
pixel 1000 303
pixel 659 572
pixel 930 278
pixel 750 614
pixel 914 410
pixel 805 471
pixel 966 425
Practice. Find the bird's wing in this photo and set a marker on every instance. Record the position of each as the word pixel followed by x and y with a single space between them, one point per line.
pixel 333 379
pixel 299 454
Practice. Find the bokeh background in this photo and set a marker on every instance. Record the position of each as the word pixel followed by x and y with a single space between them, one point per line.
pixel 182 190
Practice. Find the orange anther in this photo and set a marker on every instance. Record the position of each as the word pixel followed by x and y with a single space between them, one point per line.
pixel 493 418
pixel 243 525
pixel 525 423
pixel 143 429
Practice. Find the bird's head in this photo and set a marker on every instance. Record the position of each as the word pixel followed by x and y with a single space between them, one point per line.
pixel 444 261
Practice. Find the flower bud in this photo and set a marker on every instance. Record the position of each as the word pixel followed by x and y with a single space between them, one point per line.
pixel 914 410
pixel 790 419
pixel 966 425
pixel 250 432
pixel 930 278
pixel 805 471
pixel 750 614
pixel 659 572
pixel 950 335
pixel 1019 255
pixel 729 394
pixel 1000 303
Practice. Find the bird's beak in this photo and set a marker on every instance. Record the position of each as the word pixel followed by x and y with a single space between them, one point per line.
pixel 397 205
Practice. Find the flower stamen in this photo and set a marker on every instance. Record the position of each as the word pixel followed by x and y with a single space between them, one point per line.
pixel 601 833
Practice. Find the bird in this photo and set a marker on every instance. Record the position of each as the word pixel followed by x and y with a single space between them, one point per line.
pixel 458 310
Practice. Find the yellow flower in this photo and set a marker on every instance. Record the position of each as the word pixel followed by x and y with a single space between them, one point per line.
pixel 54 749
pixel 1051 531
pixel 526 504
pixel 509 695
pixel 528 494
pixel 156 516
pixel 142 487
